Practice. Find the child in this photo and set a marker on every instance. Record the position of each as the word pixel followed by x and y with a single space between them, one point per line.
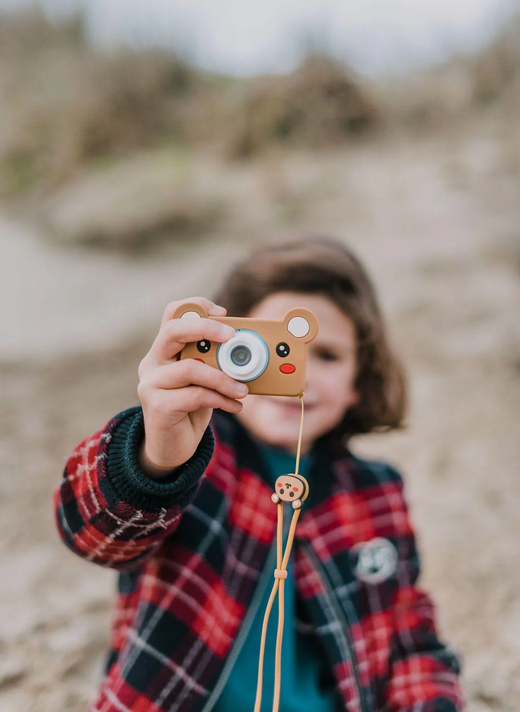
pixel 176 496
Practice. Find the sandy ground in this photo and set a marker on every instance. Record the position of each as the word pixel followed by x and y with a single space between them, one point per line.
pixel 437 222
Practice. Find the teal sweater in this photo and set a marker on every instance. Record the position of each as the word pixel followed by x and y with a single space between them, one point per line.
pixel 302 659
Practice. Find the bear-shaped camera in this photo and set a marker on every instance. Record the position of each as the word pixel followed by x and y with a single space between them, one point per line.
pixel 267 354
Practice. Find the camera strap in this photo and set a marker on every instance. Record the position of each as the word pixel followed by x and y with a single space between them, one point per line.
pixel 280 573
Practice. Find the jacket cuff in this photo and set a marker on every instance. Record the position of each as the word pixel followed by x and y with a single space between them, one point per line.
pixel 133 486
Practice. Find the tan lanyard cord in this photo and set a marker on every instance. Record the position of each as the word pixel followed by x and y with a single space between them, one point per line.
pixel 280 574
pixel 298 450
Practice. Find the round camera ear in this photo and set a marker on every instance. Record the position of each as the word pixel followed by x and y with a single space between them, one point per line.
pixel 298 326
pixel 302 324
pixel 189 310
pixel 190 314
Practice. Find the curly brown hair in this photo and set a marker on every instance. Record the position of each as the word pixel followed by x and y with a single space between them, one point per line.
pixel 316 264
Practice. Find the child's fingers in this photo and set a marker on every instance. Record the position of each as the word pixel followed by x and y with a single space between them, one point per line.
pixel 211 308
pixel 176 333
pixel 193 398
pixel 191 372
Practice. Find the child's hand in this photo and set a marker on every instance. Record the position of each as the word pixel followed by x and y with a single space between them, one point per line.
pixel 177 396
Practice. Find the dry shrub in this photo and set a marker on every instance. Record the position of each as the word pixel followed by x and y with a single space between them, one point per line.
pixel 451 92
pixel 497 68
pixel 315 106
pixel 62 103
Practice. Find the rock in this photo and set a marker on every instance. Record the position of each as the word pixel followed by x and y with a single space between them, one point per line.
pixel 131 205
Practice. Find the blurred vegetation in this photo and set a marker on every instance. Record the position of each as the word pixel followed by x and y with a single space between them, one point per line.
pixel 454 91
pixel 125 148
pixel 317 105
pixel 64 104
pixel 497 68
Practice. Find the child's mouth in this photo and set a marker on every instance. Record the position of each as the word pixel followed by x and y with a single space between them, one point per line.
pixel 294 407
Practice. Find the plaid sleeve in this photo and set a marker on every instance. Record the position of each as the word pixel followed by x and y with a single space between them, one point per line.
pixel 424 672
pixel 107 510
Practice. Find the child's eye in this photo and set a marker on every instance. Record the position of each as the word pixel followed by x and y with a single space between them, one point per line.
pixel 327 356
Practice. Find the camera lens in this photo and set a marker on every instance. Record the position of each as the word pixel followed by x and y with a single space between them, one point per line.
pixel 240 355
pixel 244 357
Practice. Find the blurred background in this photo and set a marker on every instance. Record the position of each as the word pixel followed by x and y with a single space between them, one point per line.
pixel 146 146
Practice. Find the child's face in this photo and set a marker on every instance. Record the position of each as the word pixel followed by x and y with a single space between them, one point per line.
pixel 329 385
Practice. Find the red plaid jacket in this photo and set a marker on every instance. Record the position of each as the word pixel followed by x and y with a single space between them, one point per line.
pixel 193 551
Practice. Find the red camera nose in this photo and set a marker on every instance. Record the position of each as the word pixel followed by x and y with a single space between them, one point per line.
pixel 287 368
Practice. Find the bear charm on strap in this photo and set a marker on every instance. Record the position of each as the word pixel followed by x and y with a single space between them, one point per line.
pixel 293 489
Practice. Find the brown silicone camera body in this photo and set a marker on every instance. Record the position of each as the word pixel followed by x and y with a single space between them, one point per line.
pixel 269 355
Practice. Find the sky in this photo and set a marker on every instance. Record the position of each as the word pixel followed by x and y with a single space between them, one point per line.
pixel 375 37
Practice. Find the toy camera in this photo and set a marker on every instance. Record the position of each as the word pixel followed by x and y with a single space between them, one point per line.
pixel 269 355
